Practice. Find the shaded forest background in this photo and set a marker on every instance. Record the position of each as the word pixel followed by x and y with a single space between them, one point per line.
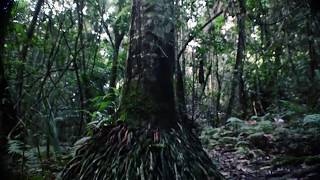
pixel 247 75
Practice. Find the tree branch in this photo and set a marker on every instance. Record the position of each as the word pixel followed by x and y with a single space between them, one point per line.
pixel 192 36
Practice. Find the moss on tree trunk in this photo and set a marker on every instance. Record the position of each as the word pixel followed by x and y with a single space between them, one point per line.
pixel 148 96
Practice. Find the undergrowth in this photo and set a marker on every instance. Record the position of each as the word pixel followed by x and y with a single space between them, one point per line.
pixel 294 139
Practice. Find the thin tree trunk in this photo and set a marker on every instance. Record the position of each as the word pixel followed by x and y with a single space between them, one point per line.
pixel 193 95
pixel 314 54
pixel 243 96
pixel 115 61
pixel 77 66
pixel 238 68
pixel 201 71
pixel 179 87
pixel 115 43
pixel 289 56
pixel 180 92
pixel 114 70
pixel 81 96
pixel 205 81
pixel 219 85
pixel 276 76
pixel 23 56
pixel 256 99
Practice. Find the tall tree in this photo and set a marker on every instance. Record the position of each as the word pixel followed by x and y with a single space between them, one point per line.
pixel 314 52
pixel 147 141
pixel 23 56
pixel 116 35
pixel 238 67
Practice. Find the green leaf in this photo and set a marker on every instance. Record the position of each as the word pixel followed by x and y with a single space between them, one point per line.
pixel 312 120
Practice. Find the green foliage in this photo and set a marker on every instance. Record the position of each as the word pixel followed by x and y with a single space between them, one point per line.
pixel 228 140
pixel 243 144
pixel 243 150
pixel 312 120
pixel 280 80
pixel 101 117
pixel 15 147
pixel 265 126
pixel 101 103
pixel 235 123
pixel 294 107
pixel 24 155
pixel 296 137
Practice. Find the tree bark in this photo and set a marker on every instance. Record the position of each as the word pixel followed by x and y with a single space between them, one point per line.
pixel 115 61
pixel 23 56
pixel 150 141
pixel 77 65
pixel 205 79
pixel 180 92
pixel 314 53
pixel 218 96
pixel 114 71
pixel 118 37
pixel 201 71
pixel 148 97
pixel 238 68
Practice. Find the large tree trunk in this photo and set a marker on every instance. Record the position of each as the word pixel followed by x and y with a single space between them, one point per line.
pixel 148 96
pixel 147 141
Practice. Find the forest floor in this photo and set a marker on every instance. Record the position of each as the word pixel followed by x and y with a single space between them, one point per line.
pixel 265 149
pixel 235 166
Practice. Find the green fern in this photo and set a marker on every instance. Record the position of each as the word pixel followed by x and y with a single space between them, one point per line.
pixel 15 147
pixel 20 150
pixel 234 123
pixel 312 120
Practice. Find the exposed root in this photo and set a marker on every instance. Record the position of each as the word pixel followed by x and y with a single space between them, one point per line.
pixel 117 152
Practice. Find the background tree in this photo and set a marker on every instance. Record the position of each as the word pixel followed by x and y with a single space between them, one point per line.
pixel 237 80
